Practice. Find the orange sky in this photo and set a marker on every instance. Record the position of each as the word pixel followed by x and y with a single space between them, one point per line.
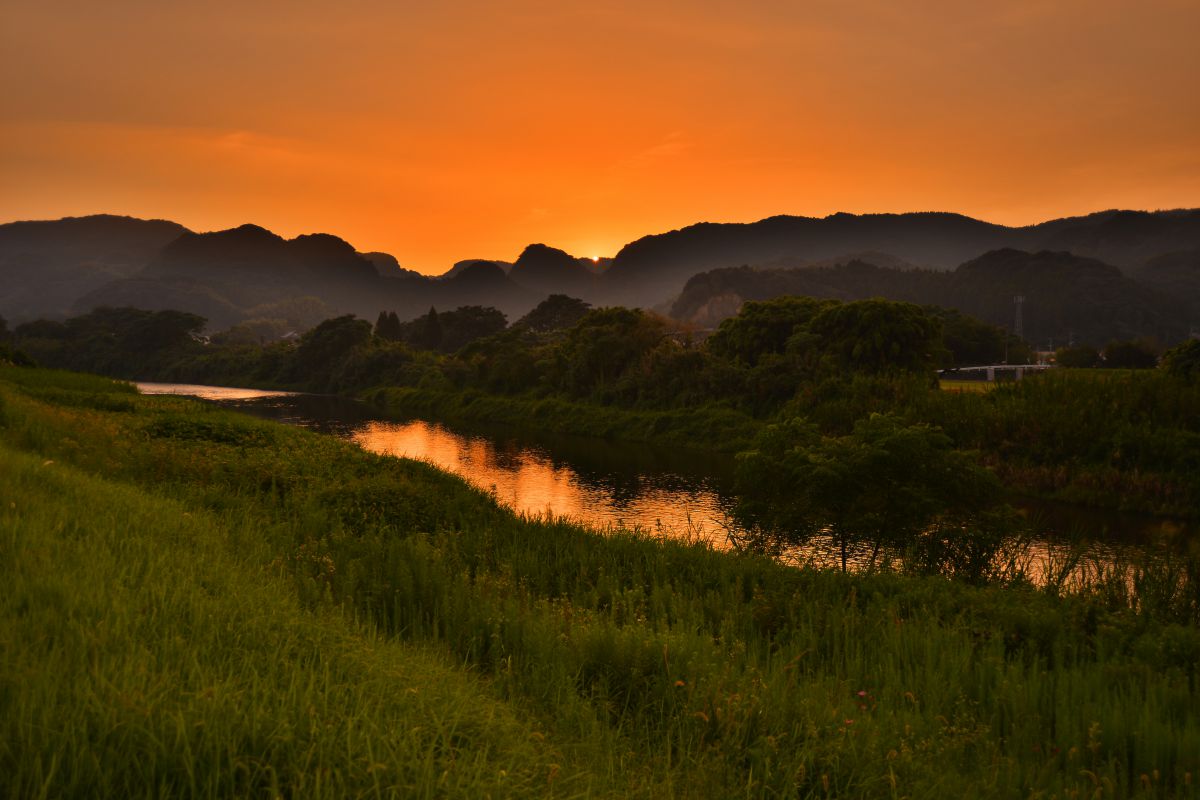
pixel 448 130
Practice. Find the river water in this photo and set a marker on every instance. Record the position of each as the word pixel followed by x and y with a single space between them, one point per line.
pixel 604 484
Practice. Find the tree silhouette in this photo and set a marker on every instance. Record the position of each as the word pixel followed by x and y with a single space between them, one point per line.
pixel 430 335
pixel 884 486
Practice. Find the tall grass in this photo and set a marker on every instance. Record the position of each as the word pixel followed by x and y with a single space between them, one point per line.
pixel 284 571
pixel 1112 438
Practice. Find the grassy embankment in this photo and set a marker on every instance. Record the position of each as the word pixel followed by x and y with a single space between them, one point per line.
pixel 199 603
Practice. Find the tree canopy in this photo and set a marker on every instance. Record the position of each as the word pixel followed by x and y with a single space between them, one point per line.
pixel 884 487
pixel 1183 360
pixel 557 312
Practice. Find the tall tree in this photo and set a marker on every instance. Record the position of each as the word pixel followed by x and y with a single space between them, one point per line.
pixel 430 334
pixel 387 326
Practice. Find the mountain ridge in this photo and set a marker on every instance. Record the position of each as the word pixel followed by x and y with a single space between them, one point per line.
pixel 55 267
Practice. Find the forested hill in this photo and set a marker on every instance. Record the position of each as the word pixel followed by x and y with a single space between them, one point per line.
pixel 70 266
pixel 46 266
pixel 1065 295
pixel 660 265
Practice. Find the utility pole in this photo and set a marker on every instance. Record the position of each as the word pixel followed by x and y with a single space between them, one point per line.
pixel 1019 323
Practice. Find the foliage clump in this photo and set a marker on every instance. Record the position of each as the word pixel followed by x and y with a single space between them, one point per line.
pixel 887 488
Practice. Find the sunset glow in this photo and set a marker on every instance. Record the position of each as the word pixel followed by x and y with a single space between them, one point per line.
pixel 439 132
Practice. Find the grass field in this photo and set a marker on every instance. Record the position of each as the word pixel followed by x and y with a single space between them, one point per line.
pixel 966 386
pixel 205 605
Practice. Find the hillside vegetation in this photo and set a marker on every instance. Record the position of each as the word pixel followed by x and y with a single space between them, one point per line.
pixel 1067 297
pixel 202 604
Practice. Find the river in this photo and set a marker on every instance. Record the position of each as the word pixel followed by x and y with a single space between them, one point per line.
pixel 605 484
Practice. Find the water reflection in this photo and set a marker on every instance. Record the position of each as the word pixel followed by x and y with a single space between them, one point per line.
pixel 592 481
pixel 602 483
pixel 530 480
pixel 218 393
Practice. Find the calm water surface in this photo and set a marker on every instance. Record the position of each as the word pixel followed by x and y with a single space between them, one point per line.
pixel 217 393
pixel 593 481
pixel 605 484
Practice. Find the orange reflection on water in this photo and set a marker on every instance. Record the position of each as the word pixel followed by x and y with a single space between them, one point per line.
pixel 220 393
pixel 531 483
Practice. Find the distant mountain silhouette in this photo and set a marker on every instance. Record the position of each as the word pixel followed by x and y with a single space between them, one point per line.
pixel 1065 295
pixel 56 267
pixel 46 266
pixel 658 266
pixel 470 262
pixel 1176 275
pixel 553 271
pixel 248 272
pixel 483 283
pixel 242 268
pixel 1126 239
pixel 388 267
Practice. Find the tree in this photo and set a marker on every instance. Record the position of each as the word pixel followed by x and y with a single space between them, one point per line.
pixel 967 341
pixel 1183 361
pixel 557 312
pixel 1078 357
pixel 253 332
pixel 15 357
pixel 1135 354
pixel 429 334
pixel 877 335
pixel 387 326
pixel 603 345
pixel 764 328
pixel 329 344
pixel 164 330
pixel 510 361
pixel 884 486
pixel 41 329
pixel 466 324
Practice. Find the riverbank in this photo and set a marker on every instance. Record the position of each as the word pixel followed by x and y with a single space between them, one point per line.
pixel 203 603
pixel 1059 438
pixel 708 428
